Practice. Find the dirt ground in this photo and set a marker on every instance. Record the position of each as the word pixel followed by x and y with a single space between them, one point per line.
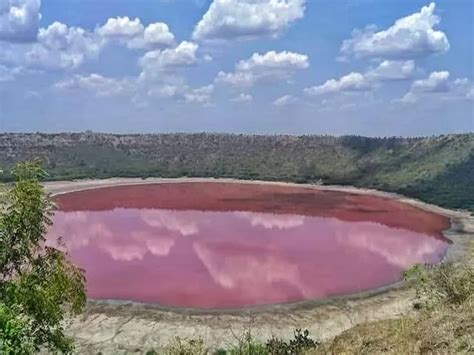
pixel 126 327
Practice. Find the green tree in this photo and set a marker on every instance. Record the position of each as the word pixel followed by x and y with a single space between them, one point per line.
pixel 39 286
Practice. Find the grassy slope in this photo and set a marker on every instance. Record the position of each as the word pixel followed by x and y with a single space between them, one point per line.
pixel 437 169
pixel 444 325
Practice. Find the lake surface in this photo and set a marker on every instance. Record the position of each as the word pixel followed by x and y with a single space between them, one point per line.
pixel 225 245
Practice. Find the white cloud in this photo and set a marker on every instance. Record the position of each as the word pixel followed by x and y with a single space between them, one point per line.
pixel 62 47
pixel 269 67
pixel 10 73
pixel 285 100
pixel 121 27
pixel 59 46
pixel 207 58
pixel 413 36
pixel 436 82
pixel 97 84
pixel 463 88
pixel 393 70
pixel 386 71
pixel 164 91
pixel 350 82
pixel 243 97
pixel 184 55
pixel 439 84
pixel 158 34
pixel 134 34
pixel 231 19
pixel 177 91
pixel 200 95
pixel 19 20
pixel 470 94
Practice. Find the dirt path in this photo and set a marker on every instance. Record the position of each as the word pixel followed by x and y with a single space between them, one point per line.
pixel 119 328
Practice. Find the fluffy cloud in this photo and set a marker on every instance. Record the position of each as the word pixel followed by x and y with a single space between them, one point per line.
pixel 269 67
pixel 349 82
pixel 285 100
pixel 57 46
pixel 413 36
pixel 134 34
pixel 393 70
pixel 97 84
pixel 200 95
pixel 61 47
pixel 10 73
pixel 179 92
pixel 438 83
pixel 242 98
pixel 164 91
pixel 183 55
pixel 121 27
pixel 157 34
pixel 140 89
pixel 19 20
pixel 385 71
pixel 230 19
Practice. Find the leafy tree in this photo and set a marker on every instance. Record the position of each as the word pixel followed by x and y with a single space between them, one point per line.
pixel 39 286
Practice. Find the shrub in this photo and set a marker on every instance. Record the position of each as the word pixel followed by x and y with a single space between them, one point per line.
pixel 39 287
pixel 180 346
pixel 247 345
pixel 297 345
pixel 447 283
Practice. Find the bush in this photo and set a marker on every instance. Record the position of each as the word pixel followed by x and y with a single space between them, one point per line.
pixel 180 346
pixel 298 345
pixel 247 345
pixel 447 283
pixel 39 287
pixel 15 332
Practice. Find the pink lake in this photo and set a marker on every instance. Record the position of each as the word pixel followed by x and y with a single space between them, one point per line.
pixel 225 245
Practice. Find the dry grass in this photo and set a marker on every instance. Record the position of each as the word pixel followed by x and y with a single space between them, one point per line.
pixel 443 325
pixel 444 331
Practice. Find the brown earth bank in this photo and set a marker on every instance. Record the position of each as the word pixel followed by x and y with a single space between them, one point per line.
pixel 125 327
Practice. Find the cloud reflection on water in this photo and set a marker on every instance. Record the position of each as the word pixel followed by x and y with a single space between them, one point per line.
pixel 223 259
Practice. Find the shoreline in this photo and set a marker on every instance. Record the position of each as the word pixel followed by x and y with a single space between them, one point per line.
pixel 145 325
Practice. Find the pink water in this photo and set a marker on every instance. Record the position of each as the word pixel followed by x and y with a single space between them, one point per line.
pixel 209 245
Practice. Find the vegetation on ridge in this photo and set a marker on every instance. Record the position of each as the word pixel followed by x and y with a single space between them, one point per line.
pixel 438 170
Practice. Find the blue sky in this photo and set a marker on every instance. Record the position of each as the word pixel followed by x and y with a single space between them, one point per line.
pixel 368 67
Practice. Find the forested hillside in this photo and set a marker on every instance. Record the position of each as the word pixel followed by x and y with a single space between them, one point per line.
pixel 436 169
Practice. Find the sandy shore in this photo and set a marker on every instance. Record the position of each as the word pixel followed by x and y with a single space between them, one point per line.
pixel 125 327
